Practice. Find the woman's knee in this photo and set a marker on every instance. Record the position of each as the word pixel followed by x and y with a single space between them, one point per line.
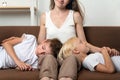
pixel 50 58
pixel 65 78
pixel 68 69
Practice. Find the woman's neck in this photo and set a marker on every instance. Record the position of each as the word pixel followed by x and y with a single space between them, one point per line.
pixel 60 10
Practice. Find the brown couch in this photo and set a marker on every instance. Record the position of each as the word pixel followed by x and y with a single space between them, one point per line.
pixel 97 35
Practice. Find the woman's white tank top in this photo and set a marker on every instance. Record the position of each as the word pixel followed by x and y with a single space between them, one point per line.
pixel 66 31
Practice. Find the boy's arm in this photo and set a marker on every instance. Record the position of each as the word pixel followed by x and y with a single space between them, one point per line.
pixel 8 45
pixel 108 66
pixel 8 39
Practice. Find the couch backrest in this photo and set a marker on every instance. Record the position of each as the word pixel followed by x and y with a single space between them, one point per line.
pixel 103 36
pixel 97 35
pixel 8 31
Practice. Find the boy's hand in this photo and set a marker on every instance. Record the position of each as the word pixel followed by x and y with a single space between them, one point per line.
pixel 24 70
pixel 23 66
pixel 112 52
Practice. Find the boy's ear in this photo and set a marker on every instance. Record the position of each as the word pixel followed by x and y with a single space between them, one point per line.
pixel 76 51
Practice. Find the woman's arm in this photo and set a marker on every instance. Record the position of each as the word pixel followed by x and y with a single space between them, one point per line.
pixel 111 52
pixel 108 67
pixel 8 45
pixel 79 26
pixel 42 31
pixel 92 47
pixel 80 32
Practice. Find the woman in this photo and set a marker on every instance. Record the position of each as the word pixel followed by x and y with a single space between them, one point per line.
pixel 63 21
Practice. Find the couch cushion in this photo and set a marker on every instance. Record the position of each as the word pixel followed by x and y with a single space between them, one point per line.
pixel 88 75
pixel 13 74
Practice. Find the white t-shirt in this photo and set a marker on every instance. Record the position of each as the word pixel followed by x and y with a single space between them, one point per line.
pixel 94 59
pixel 24 50
pixel 66 30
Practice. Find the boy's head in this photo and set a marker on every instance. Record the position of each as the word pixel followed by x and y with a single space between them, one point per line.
pixel 49 46
pixel 72 46
pixel 67 48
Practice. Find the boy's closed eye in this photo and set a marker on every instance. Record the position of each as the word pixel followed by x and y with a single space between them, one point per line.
pixel 43 47
pixel 43 53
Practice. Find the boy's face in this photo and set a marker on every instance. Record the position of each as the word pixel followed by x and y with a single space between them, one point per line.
pixel 43 48
pixel 82 46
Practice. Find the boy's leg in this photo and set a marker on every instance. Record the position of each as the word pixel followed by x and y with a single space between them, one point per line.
pixel 69 69
pixel 49 67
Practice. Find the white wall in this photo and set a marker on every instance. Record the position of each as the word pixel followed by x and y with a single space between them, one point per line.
pixel 98 12
pixel 13 19
pixel 102 12
pixel 43 6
